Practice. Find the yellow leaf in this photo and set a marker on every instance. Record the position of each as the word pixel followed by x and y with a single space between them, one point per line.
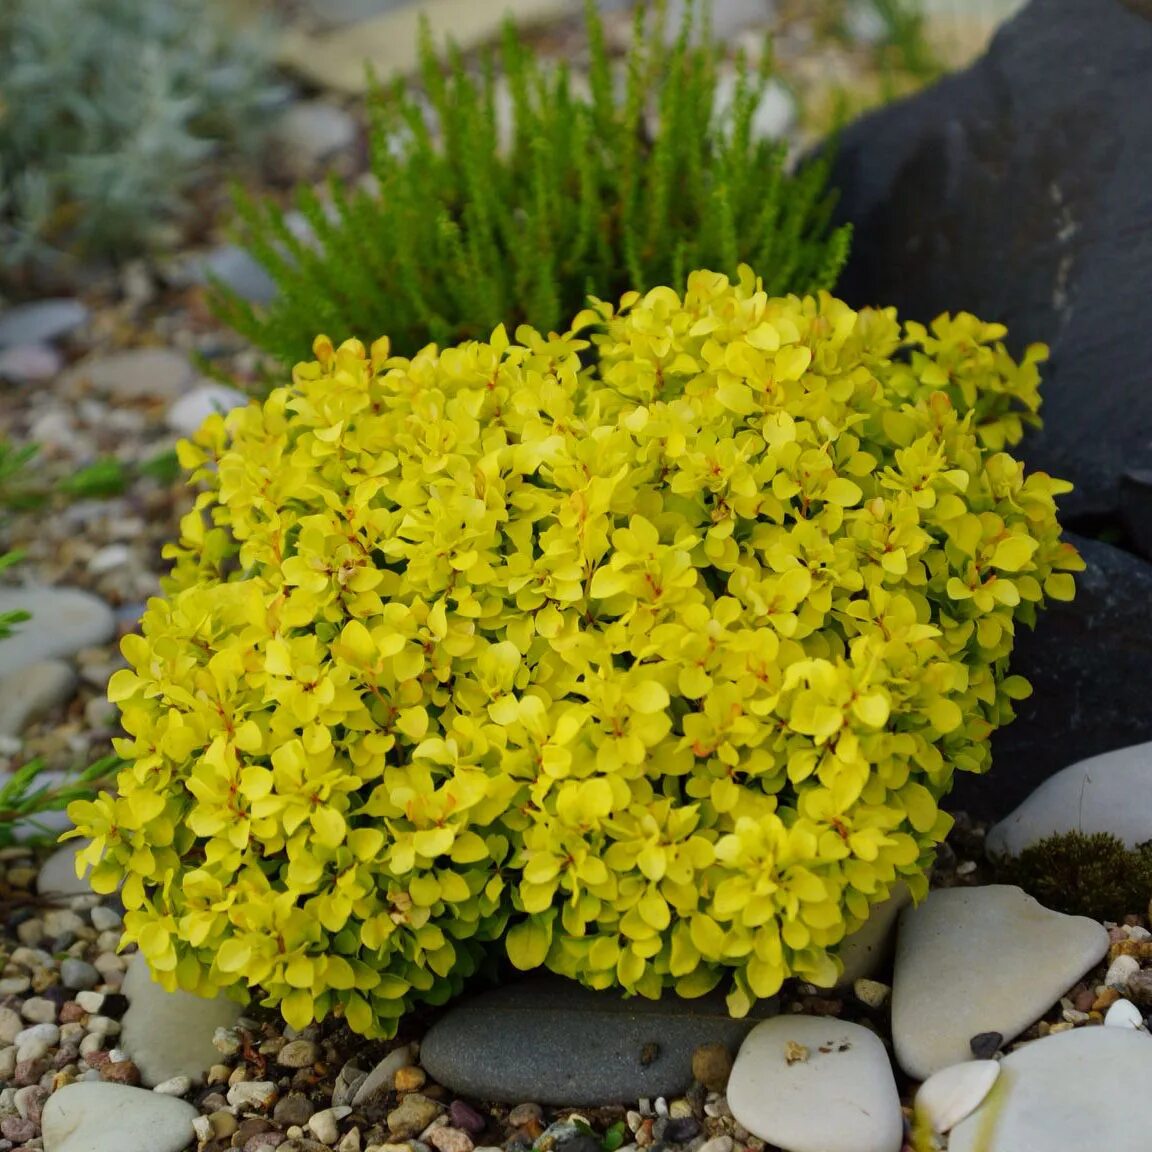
pixel 1013 554
pixel 527 943
pixel 647 697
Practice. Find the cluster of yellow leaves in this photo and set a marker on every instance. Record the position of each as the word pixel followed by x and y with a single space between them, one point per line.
pixel 649 648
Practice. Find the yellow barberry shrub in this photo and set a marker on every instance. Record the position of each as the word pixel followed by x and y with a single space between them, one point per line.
pixel 648 649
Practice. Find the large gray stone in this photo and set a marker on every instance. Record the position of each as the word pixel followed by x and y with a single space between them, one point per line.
pixel 1019 190
pixel 1088 664
pixel 551 1040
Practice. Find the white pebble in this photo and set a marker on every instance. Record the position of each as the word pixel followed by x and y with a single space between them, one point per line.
pixel 105 919
pixel 38 1010
pixel 661 1106
pixel 109 558
pixel 90 1001
pixel 118 1055
pixel 48 1032
pixel 93 1042
pixel 103 1025
pixel 871 992
pixel 257 1093
pixel 174 1086
pixel 33 958
pixel 947 1096
pixel 225 1041
pixel 60 920
pixel 72 1032
pixel 32 1050
pixel 1136 932
pixel 14 985
pixel 7 1062
pixel 1123 1014
pixel 202 1126
pixel 324 1125
pixel 1120 971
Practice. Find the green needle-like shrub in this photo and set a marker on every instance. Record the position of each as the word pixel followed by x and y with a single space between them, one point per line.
pixel 461 234
pixel 648 648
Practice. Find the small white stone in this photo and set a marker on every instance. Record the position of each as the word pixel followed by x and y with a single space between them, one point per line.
pixel 32 692
pixel 1123 1014
pixel 381 1079
pixel 252 1094
pixel 192 409
pixel 103 1025
pixel 174 1086
pixel 64 620
pixel 202 1126
pixel 32 1050
pixel 324 1125
pixel 48 1032
pixel 38 1010
pixel 134 374
pixel 871 992
pixel 93 1042
pixel 109 558
pixel 90 1001
pixel 1120 971
pixel 105 919
pixel 947 1096
pixel 11 1025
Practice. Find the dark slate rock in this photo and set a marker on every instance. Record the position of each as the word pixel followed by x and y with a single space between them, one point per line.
pixel 1020 190
pixel 1087 662
pixel 551 1040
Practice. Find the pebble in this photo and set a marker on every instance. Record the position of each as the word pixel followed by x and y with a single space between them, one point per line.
pixel 187 414
pixel 712 1065
pixel 1120 971
pixel 449 1139
pixel 64 620
pixel 294 1108
pixel 1107 793
pixel 947 1096
pixel 105 919
pixel 58 875
pixel 1063 1093
pixel 972 960
pixel 11 1025
pixel 1124 1014
pixel 135 374
pixel 816 1084
pixel 872 993
pixel 382 1078
pixel 41 321
pixel 307 135
pixel 252 1094
pixel 99 1117
pixel 175 1086
pixel 325 1125
pixel 170 1033
pixel 37 1009
pixel 30 363
pixel 78 974
pixel 409 1078
pixel 412 1115
pixel 298 1054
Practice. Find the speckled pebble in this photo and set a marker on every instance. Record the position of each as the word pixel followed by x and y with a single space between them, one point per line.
pixel 252 1094
pixel 298 1054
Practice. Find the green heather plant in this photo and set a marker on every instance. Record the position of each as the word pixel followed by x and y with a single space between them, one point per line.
pixel 462 234
pixel 648 649
pixel 108 112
